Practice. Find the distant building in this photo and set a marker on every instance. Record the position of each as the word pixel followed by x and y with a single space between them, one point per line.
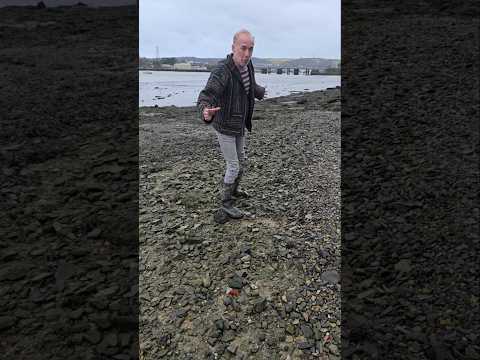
pixel 183 66
pixel 166 66
pixel 199 67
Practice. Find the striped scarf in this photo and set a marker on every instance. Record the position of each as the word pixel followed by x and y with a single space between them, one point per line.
pixel 245 78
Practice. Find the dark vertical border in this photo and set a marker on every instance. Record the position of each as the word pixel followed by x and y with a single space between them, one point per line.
pixel 410 180
pixel 69 199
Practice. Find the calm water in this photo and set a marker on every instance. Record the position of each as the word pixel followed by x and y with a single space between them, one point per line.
pixel 164 88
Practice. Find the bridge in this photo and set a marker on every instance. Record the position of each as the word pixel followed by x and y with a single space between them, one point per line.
pixel 288 71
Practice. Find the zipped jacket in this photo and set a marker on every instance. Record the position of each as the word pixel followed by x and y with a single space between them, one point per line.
pixel 225 89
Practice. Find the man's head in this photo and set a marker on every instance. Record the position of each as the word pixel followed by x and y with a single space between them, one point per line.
pixel 242 47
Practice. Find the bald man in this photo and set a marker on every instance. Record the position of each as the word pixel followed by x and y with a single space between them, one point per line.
pixel 227 103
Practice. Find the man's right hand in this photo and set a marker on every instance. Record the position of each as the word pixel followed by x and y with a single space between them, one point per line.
pixel 208 113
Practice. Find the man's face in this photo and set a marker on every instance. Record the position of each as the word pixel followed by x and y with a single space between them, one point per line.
pixel 242 49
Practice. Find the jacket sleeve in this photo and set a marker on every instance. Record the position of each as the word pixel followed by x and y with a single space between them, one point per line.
pixel 211 94
pixel 259 91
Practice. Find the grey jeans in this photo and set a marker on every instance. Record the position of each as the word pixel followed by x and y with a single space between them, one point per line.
pixel 233 150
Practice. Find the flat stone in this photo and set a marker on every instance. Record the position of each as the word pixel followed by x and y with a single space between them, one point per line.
pixel 290 329
pixel 220 324
pixel 330 276
pixel 232 348
pixel 13 272
pixel 307 331
pixel 8 255
pixel 121 357
pixel 302 345
pixel 333 348
pixel 212 341
pixel 260 305
pixel 181 312
pixel 7 322
pixel 111 339
pixel 124 339
pixel 289 308
pixel 206 282
pixel 76 314
pixel 235 282
pixel 95 233
pixel 93 336
pixel 227 300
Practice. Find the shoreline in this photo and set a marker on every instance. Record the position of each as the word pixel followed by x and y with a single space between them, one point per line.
pixel 293 95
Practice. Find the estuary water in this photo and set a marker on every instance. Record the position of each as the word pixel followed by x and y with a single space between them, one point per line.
pixel 165 88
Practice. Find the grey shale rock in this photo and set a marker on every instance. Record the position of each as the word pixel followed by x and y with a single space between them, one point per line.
pixel 331 276
pixel 232 348
pixel 235 282
pixel 254 286
pixel 307 331
pixel 259 305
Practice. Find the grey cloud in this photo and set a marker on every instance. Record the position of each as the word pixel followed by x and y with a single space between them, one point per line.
pixel 282 28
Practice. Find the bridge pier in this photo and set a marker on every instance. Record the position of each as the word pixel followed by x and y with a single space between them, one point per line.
pixel 288 71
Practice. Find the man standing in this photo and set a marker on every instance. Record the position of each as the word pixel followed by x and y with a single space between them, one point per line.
pixel 227 103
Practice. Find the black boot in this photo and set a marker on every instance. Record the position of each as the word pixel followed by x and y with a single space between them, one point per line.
pixel 237 192
pixel 227 202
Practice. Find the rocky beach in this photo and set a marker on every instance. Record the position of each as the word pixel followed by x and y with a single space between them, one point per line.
pixel 263 287
pixel 68 230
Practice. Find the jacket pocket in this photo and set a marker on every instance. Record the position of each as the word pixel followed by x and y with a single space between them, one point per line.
pixel 234 122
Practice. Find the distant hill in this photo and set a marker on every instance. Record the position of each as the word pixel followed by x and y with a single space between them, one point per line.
pixel 311 63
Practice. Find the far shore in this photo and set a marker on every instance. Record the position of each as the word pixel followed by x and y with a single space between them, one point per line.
pixel 198 70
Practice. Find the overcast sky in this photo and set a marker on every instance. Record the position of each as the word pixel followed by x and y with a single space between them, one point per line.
pixel 282 28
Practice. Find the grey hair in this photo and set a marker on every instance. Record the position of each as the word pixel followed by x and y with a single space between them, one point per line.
pixel 242 31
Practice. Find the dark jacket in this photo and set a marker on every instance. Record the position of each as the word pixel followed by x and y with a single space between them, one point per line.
pixel 225 89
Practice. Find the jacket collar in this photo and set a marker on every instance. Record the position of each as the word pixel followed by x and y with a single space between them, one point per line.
pixel 234 69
